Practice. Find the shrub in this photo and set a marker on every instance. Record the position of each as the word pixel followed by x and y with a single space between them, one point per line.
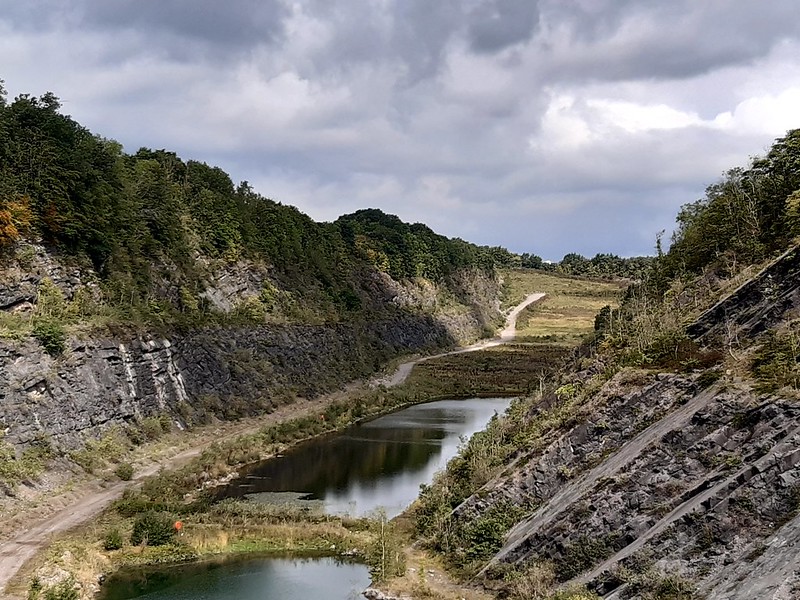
pixel 64 590
pixel 51 336
pixel 35 588
pixel 113 539
pixel 584 554
pixel 776 363
pixel 152 427
pixel 153 529
pixel 124 471
pixel 95 453
pixel 385 557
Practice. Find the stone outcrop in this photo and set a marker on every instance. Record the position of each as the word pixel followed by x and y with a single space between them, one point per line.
pixel 693 480
pixel 21 278
pixel 757 305
pixel 190 377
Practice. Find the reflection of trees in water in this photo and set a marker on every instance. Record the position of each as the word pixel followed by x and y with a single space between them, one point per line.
pixel 333 463
pixel 418 417
pixel 242 578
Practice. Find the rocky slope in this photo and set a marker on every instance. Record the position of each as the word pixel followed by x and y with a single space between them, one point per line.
pixel 667 482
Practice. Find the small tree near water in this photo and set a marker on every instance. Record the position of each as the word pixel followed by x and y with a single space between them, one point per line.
pixel 385 557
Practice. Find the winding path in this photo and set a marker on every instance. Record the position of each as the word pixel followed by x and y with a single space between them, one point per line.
pixel 507 334
pixel 14 553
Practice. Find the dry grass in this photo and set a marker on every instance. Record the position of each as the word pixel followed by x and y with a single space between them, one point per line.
pixel 567 313
pixel 507 370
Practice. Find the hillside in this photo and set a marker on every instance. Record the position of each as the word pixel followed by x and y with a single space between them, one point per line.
pixel 663 462
pixel 142 291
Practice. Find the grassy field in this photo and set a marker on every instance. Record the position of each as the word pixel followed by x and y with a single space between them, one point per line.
pixel 508 370
pixel 546 332
pixel 566 314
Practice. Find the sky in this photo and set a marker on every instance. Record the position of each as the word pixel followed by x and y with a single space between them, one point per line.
pixel 545 126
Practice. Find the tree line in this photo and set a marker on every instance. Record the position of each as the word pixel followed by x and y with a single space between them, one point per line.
pixel 606 266
pixel 150 215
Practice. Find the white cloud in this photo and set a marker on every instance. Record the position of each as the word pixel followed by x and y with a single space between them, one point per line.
pixel 637 118
pixel 763 115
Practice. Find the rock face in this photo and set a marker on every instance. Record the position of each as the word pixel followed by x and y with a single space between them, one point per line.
pixel 695 479
pixel 757 305
pixel 222 372
pixel 20 279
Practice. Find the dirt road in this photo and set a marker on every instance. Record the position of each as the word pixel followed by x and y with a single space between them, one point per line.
pixel 17 551
pixel 507 334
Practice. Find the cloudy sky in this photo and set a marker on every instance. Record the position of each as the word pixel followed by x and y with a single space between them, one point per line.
pixel 546 126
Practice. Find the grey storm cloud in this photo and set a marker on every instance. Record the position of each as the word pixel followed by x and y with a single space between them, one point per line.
pixel 620 39
pixel 497 24
pixel 240 23
pixel 543 125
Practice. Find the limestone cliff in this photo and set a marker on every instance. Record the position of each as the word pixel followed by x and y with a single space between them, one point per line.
pixel 192 374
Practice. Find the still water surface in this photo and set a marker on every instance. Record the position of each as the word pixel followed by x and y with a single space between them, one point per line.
pixel 379 464
pixel 242 579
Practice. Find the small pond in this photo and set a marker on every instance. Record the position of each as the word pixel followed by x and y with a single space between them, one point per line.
pixel 240 578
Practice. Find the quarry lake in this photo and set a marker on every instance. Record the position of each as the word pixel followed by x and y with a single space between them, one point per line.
pixel 375 465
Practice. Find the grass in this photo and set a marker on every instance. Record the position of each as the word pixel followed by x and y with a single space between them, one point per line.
pixel 508 370
pixel 546 332
pixel 567 312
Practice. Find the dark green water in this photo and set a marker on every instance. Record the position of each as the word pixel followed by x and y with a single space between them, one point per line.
pixel 379 464
pixel 243 579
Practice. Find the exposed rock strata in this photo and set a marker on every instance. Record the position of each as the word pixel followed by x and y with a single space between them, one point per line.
pixel 224 372
pixel 108 380
pixel 700 482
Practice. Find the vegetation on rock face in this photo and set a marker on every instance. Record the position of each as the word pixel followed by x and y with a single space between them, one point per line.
pixel 15 467
pixel 751 215
pixel 775 364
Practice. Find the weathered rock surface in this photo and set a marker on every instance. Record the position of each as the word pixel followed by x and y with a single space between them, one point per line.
pixel 220 372
pixel 231 372
pixel 694 480
pixel 755 306
pixel 375 594
pixel 20 278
